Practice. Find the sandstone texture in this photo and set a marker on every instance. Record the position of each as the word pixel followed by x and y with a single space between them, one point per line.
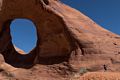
pixel 19 50
pixel 101 76
pixel 69 43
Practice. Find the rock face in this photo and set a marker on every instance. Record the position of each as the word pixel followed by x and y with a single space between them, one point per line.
pixel 67 40
pixel 19 50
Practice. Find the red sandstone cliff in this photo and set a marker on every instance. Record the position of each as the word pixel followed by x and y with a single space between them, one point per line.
pixel 68 41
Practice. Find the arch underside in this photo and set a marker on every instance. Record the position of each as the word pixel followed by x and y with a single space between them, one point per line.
pixel 52 49
pixel 53 45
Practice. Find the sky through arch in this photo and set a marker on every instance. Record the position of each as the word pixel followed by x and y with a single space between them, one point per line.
pixel 24 35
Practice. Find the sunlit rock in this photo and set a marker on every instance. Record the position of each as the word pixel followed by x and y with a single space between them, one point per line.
pixel 67 41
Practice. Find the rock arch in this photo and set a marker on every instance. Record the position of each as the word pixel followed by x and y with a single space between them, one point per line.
pixel 50 30
pixel 64 34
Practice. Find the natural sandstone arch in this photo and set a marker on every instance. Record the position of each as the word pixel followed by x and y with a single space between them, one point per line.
pixel 64 34
pixel 11 56
pixel 50 28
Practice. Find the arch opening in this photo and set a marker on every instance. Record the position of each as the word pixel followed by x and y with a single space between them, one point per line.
pixel 24 35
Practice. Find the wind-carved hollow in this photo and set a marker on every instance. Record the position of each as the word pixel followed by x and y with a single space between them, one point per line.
pixel 24 35
pixel 13 55
pixel 53 47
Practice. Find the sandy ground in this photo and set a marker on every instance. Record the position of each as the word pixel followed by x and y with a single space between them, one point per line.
pixel 98 76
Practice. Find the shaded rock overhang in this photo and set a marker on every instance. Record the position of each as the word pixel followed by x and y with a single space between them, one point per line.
pixel 50 32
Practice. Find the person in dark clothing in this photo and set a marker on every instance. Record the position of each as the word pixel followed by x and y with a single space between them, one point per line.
pixel 105 67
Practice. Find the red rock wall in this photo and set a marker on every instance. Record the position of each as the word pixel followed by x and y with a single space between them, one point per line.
pixel 64 34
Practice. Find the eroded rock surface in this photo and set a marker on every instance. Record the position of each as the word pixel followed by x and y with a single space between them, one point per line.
pixel 67 41
pixel 19 50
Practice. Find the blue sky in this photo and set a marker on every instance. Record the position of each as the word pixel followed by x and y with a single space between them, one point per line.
pixel 23 34
pixel 104 12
